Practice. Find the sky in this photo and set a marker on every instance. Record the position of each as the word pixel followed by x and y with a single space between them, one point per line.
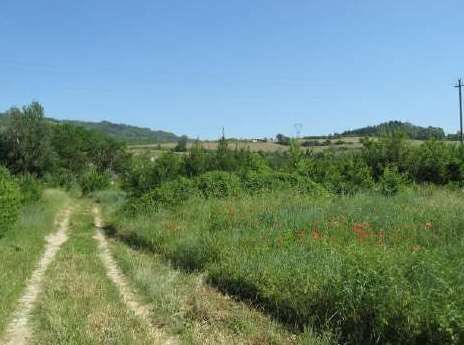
pixel 254 67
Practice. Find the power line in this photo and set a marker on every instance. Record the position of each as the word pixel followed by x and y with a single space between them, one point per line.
pixel 459 85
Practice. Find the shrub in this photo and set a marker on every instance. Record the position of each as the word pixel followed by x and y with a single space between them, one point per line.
pixel 93 180
pixel 436 162
pixel 10 199
pixel 31 188
pixel 218 184
pixel 339 173
pixel 391 181
pixel 175 192
pixel 170 194
pixel 63 178
pixel 254 182
pixel 144 173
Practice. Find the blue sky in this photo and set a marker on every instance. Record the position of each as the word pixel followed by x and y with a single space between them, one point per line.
pixel 255 67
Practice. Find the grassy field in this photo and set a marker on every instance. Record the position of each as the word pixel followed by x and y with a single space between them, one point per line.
pixel 21 248
pixel 370 268
pixel 155 149
pixel 183 303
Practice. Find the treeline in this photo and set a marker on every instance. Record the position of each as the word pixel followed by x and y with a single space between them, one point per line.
pixel 386 165
pixel 30 144
pixel 35 152
pixel 410 130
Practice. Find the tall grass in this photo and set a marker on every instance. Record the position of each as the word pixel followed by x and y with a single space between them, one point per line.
pixel 373 269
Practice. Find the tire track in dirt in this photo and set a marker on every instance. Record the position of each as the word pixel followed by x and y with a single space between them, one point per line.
pixel 18 332
pixel 120 281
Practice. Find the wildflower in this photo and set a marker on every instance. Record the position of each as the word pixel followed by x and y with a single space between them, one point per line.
pixel 359 230
pixel 428 225
pixel 315 235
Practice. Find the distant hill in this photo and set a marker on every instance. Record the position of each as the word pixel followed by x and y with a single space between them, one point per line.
pixel 413 131
pixel 127 133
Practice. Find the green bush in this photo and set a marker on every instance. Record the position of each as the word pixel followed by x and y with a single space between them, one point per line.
pixel 62 178
pixel 254 182
pixel 92 180
pixel 218 184
pixel 10 200
pixel 169 194
pixel 391 181
pixel 31 188
pixel 145 174
pixel 175 192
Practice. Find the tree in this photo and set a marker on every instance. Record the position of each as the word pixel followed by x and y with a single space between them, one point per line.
pixel 282 139
pixel 27 140
pixel 70 144
pixel 181 144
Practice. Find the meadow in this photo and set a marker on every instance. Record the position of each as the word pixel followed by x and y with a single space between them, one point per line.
pixel 368 268
pixel 232 246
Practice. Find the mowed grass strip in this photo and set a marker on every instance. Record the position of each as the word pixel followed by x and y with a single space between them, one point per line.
pixel 22 246
pixel 79 304
pixel 183 304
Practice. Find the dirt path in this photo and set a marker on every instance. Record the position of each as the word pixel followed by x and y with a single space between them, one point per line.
pixel 18 332
pixel 120 281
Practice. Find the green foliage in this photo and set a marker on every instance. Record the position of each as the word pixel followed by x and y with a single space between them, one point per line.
pixel 374 269
pixel 412 131
pixel 181 144
pixel 339 173
pixel 72 146
pixel 218 184
pixel 197 161
pixel 391 181
pixel 126 133
pixel 170 194
pixel 10 201
pixel 62 178
pixel 93 180
pixel 143 174
pixel 391 149
pixel 255 182
pixel 31 188
pixel 437 162
pixel 33 144
pixel 27 141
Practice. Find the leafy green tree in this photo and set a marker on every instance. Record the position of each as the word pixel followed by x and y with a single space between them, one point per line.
pixel 72 147
pixel 27 141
